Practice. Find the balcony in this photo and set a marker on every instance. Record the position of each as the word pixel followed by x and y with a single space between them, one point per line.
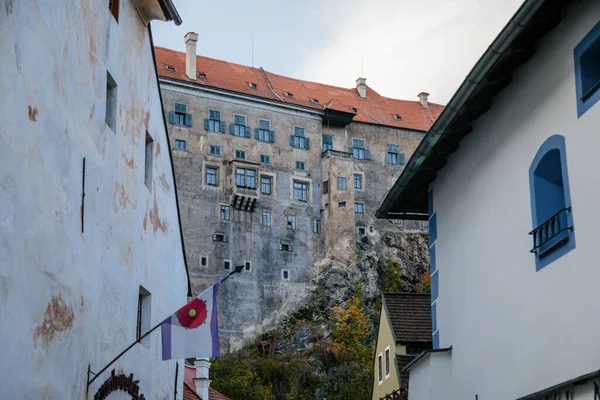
pixel 551 233
pixel 336 153
pixel 244 198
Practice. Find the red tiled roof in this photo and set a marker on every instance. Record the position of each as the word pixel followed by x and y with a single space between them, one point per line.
pixel 214 395
pixel 410 315
pixel 375 109
pixel 188 393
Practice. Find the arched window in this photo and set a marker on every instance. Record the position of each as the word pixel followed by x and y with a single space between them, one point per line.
pixel 552 217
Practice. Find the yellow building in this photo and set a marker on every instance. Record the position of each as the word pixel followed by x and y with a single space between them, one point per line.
pixel 404 332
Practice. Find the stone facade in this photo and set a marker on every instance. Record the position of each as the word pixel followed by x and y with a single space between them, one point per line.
pixel 284 256
pixel 89 214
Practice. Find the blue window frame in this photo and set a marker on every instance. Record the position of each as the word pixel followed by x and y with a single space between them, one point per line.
pixel 213 123
pixel 358 150
pixel 300 166
pixel 327 142
pixel 214 150
pixel 264 132
pixel 179 115
pixel 239 128
pixel 298 139
pixel 180 145
pixel 265 158
pixel 342 183
pixel 587 70
pixel 552 217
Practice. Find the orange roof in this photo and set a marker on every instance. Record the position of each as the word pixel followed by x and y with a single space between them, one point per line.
pixel 375 109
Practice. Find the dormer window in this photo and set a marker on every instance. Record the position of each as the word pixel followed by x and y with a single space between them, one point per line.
pixel 354 109
pixel 252 85
pixel 201 75
pixel 288 94
pixel 314 101
pixel 397 117
pixel 170 69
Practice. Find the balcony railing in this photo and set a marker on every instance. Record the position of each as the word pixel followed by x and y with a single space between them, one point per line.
pixel 551 228
pixel 335 153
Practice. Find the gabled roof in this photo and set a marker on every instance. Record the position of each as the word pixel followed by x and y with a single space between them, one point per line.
pixel 189 394
pixel 408 198
pixel 375 109
pixel 410 315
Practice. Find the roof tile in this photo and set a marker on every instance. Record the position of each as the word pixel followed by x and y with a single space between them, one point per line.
pixel 410 315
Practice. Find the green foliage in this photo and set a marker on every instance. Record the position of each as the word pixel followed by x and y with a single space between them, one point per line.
pixel 392 277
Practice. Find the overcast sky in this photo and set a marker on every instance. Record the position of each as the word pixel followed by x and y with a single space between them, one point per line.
pixel 406 46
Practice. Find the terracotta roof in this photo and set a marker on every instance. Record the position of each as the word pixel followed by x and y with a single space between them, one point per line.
pixel 188 393
pixel 375 109
pixel 214 395
pixel 410 315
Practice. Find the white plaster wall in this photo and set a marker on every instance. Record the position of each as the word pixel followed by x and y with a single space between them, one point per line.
pixel 69 299
pixel 513 330
pixel 430 377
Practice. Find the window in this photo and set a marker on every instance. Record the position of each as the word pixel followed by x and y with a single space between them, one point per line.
pixel 248 266
pixel 398 221
pixel 239 128
pixel 245 178
pixel 203 261
pixel 358 150
pixel 211 176
pixel 179 115
pixel 342 183
pixel 300 166
pixel 143 315
pixel 265 184
pixel 264 132
pixel 291 222
pixel 148 163
pixel 314 101
pixel 266 218
pixel 357 181
pixel 214 150
pixel 298 139
pixel 379 369
pixel 285 275
pixel 201 75
pixel 265 159
pixel 219 237
pixel 300 191
pixel 362 231
pixel 587 70
pixel 169 68
pixel 316 226
pixel 285 246
pixel 224 212
pixel 327 142
pixel 358 208
pixel 424 224
pixel 342 204
pixel 240 154
pixel 394 156
pixel 387 362
pixel 180 145
pixel 111 102
pixel 397 117
pixel 371 229
pixel 226 264
pixel 288 94
pixel 553 231
pixel 354 109
pixel 213 123
pixel 325 187
pixel 113 6
pixel 252 85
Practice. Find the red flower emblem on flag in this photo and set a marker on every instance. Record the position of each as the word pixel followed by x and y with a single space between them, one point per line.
pixel 193 314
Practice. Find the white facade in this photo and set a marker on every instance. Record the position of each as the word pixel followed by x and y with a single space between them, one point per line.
pixel 514 330
pixel 69 299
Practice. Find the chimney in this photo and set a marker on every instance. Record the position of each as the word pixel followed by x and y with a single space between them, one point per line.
pixel 361 87
pixel 423 99
pixel 201 380
pixel 191 39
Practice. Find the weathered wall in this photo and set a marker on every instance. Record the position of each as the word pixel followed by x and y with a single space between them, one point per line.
pixel 254 302
pixel 69 299
pixel 503 318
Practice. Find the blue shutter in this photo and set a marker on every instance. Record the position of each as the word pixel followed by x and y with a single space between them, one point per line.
pixel 367 154
pixel 272 136
pixel 351 150
pixel 223 126
pixel 293 141
pixel 256 133
pixel 401 158
pixel 188 119
pixel 172 117
pixel 231 129
pixel 247 131
pixel 206 124
pixel 306 143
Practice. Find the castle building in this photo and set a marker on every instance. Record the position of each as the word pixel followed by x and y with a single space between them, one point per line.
pixel 280 175
pixel 91 250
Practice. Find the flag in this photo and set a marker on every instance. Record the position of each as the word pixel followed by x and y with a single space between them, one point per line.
pixel 193 331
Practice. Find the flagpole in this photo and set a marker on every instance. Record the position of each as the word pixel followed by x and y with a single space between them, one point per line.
pixel 237 269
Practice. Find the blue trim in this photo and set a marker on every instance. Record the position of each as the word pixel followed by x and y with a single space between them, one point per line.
pixel 555 142
pixel 434 285
pixel 436 340
pixel 430 202
pixel 434 317
pixel 432 266
pixel 433 229
pixel 593 37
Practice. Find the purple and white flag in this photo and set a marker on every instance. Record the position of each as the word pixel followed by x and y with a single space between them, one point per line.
pixel 193 331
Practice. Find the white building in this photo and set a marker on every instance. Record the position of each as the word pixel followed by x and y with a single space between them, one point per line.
pixel 514 152
pixel 89 225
